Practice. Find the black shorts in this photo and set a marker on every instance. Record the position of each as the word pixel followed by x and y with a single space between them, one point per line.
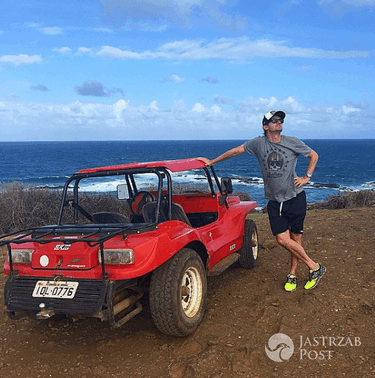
pixel 288 215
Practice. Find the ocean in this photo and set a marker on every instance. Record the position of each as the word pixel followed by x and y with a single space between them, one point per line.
pixel 344 165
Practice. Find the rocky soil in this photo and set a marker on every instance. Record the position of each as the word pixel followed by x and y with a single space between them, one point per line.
pixel 331 327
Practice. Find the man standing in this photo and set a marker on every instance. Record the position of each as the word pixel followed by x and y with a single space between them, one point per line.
pixel 277 155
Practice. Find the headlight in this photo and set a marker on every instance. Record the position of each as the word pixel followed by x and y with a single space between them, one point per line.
pixel 117 256
pixel 21 256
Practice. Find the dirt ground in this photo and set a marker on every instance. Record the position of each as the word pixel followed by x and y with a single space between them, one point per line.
pixel 332 327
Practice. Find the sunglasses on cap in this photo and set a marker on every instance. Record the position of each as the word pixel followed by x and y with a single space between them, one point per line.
pixel 275 120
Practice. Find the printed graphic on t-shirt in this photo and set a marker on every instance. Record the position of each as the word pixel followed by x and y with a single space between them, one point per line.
pixel 275 162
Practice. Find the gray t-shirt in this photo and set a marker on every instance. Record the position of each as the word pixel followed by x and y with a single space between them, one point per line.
pixel 278 163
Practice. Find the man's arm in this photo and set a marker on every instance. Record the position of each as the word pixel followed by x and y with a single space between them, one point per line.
pixel 226 155
pixel 313 159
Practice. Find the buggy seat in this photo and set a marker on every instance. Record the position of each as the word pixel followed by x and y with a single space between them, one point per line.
pixel 178 213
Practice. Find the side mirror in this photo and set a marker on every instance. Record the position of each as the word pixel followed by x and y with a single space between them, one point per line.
pixel 122 192
pixel 226 185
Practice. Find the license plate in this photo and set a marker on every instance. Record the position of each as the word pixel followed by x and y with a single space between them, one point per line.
pixel 55 289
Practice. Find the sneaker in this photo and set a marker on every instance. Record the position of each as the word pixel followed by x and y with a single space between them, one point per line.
pixel 314 277
pixel 291 282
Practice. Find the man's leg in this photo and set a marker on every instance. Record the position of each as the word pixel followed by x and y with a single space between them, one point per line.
pixel 291 279
pixel 291 215
pixel 285 240
pixel 293 265
pixel 294 261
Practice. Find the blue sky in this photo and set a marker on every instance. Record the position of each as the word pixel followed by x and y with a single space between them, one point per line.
pixel 185 69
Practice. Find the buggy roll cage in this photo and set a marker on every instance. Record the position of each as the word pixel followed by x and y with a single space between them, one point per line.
pixel 161 172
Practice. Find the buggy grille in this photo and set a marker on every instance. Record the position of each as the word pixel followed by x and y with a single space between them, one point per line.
pixel 87 301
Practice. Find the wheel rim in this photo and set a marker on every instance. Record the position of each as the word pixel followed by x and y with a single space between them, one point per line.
pixel 191 292
pixel 254 244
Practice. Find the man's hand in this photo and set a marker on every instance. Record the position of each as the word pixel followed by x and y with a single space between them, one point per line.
pixel 208 162
pixel 301 181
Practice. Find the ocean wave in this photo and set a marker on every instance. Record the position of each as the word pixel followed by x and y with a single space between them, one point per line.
pixel 248 180
pixel 370 184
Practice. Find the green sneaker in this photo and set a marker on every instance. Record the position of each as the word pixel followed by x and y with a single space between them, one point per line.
pixel 291 283
pixel 314 277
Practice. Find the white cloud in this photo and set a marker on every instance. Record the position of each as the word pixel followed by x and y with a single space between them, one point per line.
pixel 116 53
pixel 48 30
pixel 103 30
pixel 63 50
pixel 54 30
pixel 174 79
pixel 23 120
pixel 154 105
pixel 215 109
pixel 118 107
pixel 244 48
pixel 20 59
pixel 350 109
pixel 84 51
pixel 198 108
pixel 235 49
pixel 127 115
pixel 81 110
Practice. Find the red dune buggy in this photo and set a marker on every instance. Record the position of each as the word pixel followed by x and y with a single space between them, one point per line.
pixel 181 227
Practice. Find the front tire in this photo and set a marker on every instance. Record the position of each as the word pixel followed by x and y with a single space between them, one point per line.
pixel 178 294
pixel 249 251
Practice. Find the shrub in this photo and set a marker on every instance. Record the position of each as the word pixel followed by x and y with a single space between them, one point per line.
pixel 348 200
pixel 21 206
pixel 27 206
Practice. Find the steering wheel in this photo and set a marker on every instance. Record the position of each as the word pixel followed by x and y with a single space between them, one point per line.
pixel 140 199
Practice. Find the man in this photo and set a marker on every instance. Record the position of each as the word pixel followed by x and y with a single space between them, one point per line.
pixel 277 156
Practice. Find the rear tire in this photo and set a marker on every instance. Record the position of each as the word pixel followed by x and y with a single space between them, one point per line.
pixel 178 294
pixel 249 251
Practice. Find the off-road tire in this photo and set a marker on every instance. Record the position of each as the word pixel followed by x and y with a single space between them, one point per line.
pixel 178 294
pixel 249 251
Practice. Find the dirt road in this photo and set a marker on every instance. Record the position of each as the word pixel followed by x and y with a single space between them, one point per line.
pixel 332 328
